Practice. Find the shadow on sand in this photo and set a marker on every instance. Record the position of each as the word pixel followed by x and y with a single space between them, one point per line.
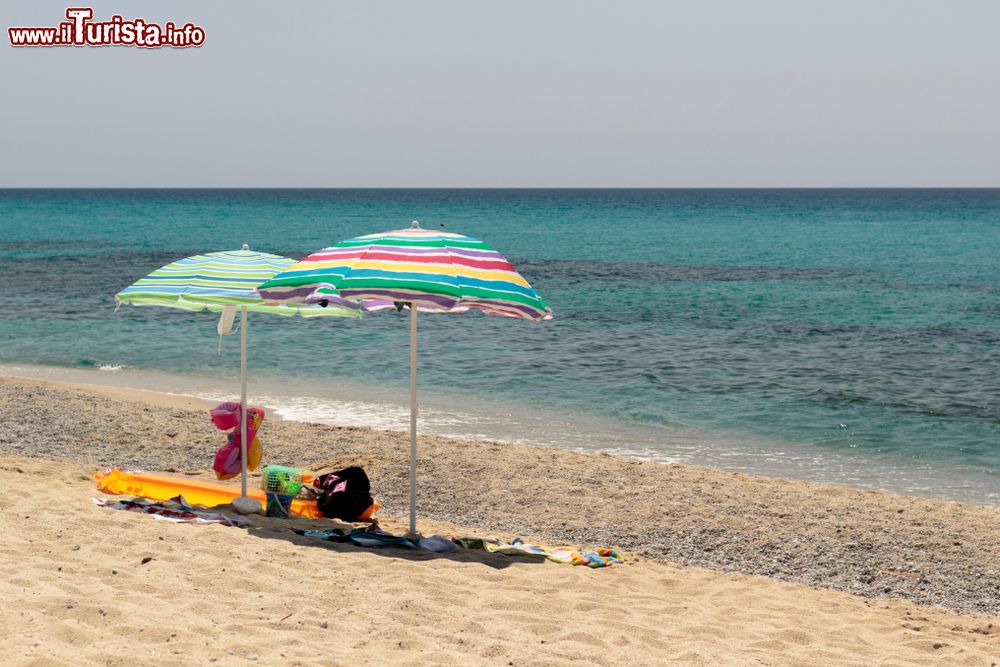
pixel 281 529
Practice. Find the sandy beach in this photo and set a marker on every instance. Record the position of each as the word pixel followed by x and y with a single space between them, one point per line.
pixel 666 333
pixel 721 568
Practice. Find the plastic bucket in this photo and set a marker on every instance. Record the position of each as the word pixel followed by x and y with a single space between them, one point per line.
pixel 279 505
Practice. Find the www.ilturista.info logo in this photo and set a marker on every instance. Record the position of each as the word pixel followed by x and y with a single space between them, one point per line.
pixel 79 30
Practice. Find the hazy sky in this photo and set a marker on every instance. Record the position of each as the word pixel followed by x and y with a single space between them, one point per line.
pixel 535 93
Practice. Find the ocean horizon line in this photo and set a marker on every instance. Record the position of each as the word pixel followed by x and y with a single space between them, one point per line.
pixel 491 188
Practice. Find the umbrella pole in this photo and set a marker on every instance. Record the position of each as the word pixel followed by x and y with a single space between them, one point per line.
pixel 413 419
pixel 243 401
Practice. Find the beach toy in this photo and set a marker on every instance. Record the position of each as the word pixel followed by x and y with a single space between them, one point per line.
pixel 195 491
pixel 281 479
pixel 226 416
pixel 281 485
pixel 279 505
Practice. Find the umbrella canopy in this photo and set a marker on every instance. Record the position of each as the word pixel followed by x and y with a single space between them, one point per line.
pixel 424 269
pixel 217 281
pixel 439 271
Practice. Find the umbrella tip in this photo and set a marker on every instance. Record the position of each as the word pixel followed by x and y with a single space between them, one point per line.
pixel 246 246
pixel 414 225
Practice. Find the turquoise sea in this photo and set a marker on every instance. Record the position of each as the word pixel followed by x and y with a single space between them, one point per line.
pixel 850 336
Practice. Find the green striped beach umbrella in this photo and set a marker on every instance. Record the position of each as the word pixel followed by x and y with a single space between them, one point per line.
pixel 422 269
pixel 226 282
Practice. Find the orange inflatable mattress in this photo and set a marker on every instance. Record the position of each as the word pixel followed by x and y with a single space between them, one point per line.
pixel 195 491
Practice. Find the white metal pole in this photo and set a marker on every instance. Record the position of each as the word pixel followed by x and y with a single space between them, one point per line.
pixel 413 419
pixel 243 400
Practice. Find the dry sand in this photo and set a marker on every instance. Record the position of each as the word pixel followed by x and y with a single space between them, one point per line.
pixel 75 590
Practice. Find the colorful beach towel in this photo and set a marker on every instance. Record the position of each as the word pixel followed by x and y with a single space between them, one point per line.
pixel 373 536
pixel 598 558
pixel 177 511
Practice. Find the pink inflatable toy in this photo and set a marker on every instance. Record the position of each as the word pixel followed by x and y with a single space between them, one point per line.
pixel 226 416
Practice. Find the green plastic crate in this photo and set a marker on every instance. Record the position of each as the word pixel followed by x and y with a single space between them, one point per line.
pixel 282 480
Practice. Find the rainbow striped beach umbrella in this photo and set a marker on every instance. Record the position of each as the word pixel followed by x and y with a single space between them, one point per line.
pixel 439 271
pixel 224 281
pixel 215 280
pixel 422 269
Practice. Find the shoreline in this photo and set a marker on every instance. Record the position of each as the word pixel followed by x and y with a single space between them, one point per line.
pixel 867 543
pixel 477 419
pixel 193 403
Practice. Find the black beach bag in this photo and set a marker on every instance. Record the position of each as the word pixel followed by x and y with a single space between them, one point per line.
pixel 344 494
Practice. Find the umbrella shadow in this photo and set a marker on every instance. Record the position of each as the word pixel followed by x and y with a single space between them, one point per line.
pixel 280 529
